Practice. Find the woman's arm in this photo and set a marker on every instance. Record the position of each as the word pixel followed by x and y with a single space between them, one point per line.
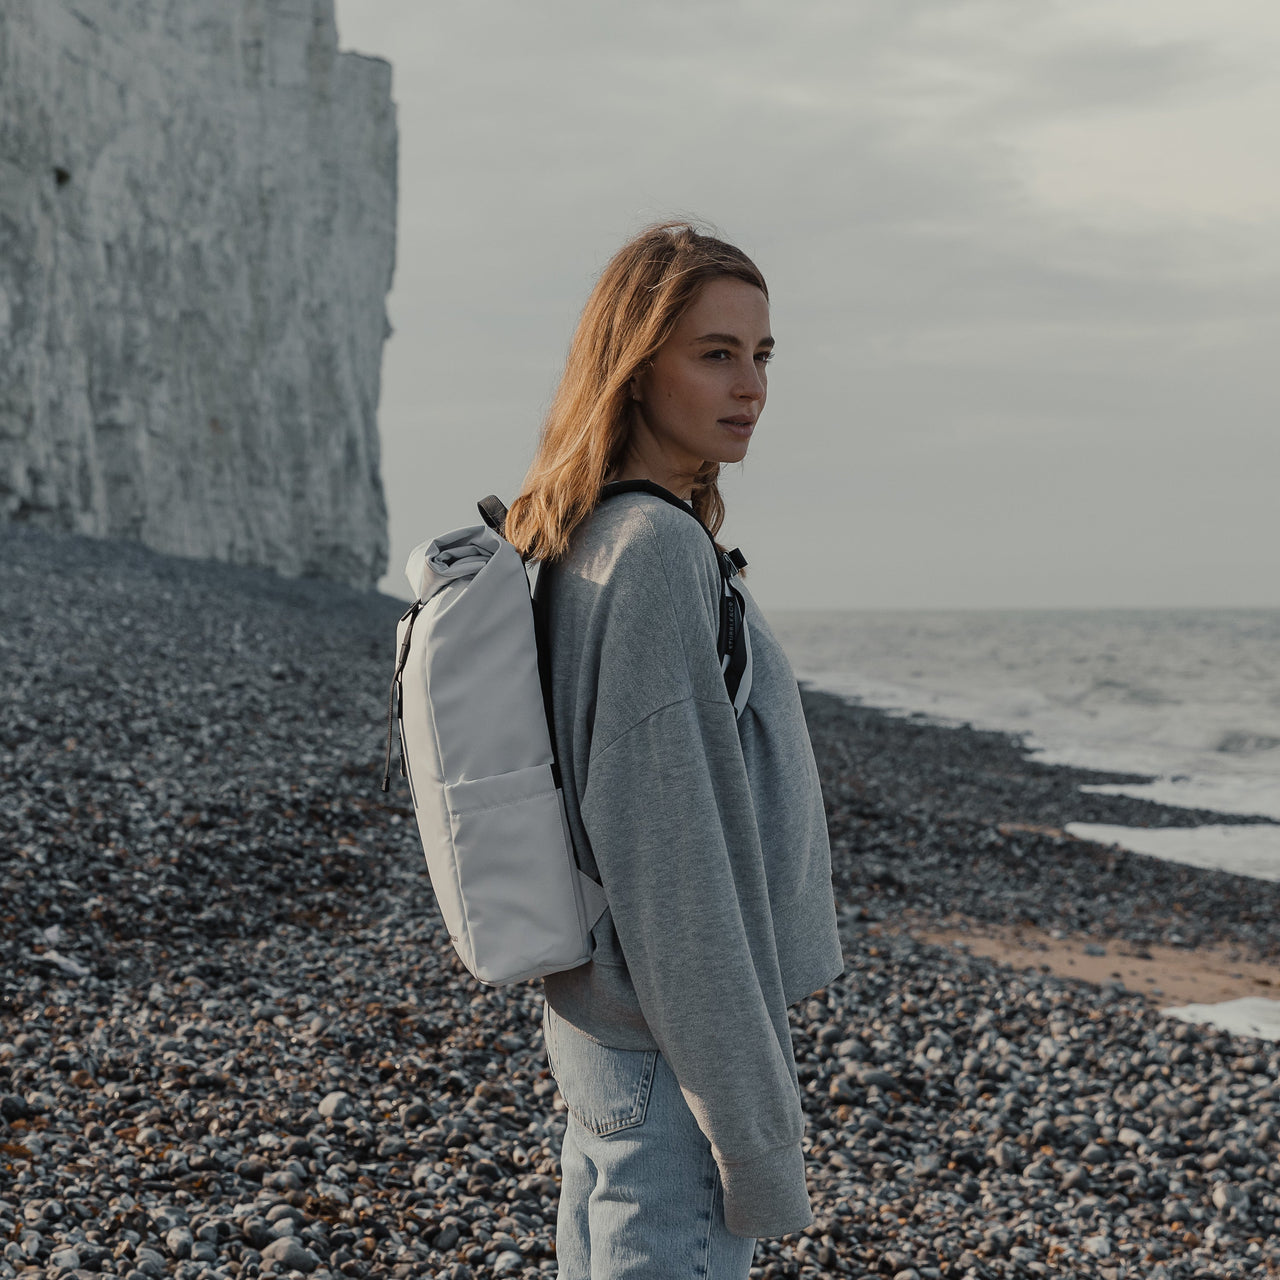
pixel 670 819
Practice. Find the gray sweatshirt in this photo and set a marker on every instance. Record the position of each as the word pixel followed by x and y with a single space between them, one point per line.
pixel 708 835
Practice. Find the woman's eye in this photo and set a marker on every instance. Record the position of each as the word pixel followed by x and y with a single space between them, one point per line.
pixel 718 355
pixel 764 356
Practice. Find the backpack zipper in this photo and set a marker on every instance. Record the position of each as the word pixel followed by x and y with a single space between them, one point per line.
pixel 395 701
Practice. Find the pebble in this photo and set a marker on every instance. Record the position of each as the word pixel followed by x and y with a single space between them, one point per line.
pixel 266 1057
pixel 337 1105
pixel 178 1241
pixel 289 1255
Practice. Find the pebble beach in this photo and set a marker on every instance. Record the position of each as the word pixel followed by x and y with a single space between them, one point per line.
pixel 235 1040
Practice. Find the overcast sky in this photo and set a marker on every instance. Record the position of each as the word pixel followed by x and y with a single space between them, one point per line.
pixel 1023 259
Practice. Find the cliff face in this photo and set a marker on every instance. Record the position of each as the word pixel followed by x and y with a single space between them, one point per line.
pixel 197 234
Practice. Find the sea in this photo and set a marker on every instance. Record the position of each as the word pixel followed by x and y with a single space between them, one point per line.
pixel 1187 698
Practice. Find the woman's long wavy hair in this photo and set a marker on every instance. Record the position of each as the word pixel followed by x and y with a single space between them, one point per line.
pixel 633 309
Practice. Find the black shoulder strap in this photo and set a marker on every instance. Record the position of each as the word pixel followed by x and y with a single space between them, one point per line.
pixel 616 487
pixel 732 643
pixel 544 661
pixel 493 512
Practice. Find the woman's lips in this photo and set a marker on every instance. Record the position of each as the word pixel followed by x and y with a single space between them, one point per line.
pixel 738 428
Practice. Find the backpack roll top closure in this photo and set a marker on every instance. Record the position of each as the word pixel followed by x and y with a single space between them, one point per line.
pixel 491 718
pixel 480 763
pixel 461 554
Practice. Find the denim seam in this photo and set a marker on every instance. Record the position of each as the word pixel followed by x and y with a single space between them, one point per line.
pixel 711 1216
pixel 640 1104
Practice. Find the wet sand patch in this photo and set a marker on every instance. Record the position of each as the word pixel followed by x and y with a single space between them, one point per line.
pixel 1165 975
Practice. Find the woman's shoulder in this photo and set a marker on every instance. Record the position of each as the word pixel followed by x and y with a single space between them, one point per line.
pixel 642 553
pixel 633 530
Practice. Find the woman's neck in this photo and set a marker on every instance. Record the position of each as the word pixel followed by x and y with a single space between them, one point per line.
pixel 641 463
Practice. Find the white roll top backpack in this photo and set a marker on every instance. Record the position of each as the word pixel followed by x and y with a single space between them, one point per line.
pixel 471 700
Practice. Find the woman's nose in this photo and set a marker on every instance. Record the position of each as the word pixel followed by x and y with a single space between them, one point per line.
pixel 752 385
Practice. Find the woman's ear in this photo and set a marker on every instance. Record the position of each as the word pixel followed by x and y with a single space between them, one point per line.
pixel 634 389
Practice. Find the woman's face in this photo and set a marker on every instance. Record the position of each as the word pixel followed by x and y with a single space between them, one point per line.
pixel 699 398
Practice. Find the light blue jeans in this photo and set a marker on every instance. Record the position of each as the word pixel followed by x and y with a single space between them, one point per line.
pixel 640 1193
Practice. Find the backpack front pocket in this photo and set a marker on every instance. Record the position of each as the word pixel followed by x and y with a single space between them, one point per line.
pixel 517 879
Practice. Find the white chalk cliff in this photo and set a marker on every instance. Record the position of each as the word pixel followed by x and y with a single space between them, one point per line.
pixel 197 236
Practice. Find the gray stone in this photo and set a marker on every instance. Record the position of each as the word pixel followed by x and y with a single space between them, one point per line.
pixel 415 1114
pixel 1008 1155
pixel 91 1255
pixel 13 1107
pixel 178 1241
pixel 446 1238
pixel 152 1261
pixel 337 1105
pixel 252 1169
pixel 256 1231
pixel 997 1240
pixel 1044 1132
pixel 842 1090
pixel 1227 1196
pixel 165 1216
pixel 872 1076
pixel 64 1260
pixel 288 1254
pixel 278 1211
pixel 199 239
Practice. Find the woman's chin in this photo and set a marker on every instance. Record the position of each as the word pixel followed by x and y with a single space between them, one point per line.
pixel 733 451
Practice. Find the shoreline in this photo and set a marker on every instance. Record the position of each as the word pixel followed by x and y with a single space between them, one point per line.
pixel 1074 687
pixel 951 818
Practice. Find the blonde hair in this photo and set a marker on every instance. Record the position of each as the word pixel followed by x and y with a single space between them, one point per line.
pixel 636 304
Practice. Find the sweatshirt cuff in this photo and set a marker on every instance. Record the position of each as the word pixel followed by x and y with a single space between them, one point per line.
pixel 766 1196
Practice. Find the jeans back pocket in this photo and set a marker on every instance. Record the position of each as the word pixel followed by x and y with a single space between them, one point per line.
pixel 605 1089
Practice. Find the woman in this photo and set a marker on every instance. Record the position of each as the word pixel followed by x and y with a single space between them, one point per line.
pixel 672 1048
